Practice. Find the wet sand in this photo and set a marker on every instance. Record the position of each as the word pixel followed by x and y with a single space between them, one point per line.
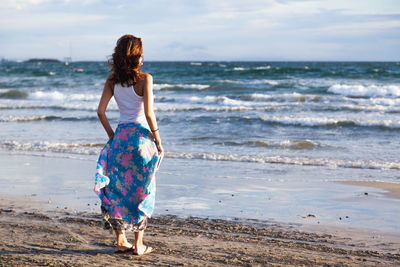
pixel 243 192
pixel 392 190
pixel 33 235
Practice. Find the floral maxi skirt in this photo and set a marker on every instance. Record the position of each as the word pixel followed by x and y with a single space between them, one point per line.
pixel 125 177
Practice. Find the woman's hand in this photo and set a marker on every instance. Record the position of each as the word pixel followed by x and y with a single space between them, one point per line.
pixel 111 135
pixel 160 149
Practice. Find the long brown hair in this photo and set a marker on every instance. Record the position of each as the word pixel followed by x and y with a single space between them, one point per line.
pixel 124 64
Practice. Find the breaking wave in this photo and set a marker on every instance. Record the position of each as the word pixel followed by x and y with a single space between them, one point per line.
pixel 358 90
pixel 286 144
pixel 167 86
pixel 47 146
pixel 45 118
pixel 331 122
pixel 332 163
pixel 58 96
pixel 94 149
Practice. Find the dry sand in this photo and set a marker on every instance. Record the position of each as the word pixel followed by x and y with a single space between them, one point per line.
pixel 34 236
pixel 392 189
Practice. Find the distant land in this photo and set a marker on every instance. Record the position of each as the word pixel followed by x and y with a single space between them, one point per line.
pixel 43 60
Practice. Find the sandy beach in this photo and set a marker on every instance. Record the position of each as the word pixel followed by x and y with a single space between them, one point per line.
pixel 33 235
pixel 392 190
pixel 50 217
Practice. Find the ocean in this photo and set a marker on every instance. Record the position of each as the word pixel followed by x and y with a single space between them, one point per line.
pixel 231 130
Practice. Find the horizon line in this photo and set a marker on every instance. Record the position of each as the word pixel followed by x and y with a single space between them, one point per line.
pixel 3 59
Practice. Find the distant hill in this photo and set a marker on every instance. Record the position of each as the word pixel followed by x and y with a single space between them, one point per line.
pixel 43 60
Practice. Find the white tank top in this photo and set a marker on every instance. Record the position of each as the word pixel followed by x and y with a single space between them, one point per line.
pixel 130 104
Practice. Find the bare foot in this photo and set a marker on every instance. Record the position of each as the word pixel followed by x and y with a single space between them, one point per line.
pixel 143 250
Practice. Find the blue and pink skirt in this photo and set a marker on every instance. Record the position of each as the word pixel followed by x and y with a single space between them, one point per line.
pixel 125 177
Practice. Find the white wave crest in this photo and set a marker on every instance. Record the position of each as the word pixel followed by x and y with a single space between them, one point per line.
pixel 46 146
pixel 270 82
pixel 293 97
pixel 332 163
pixel 261 81
pixel 286 144
pixel 366 107
pixel 310 121
pixel 359 90
pixel 22 118
pixel 389 102
pixel 160 86
pixel 58 96
pixel 261 96
pixel 77 105
pixel 263 67
pixel 94 149
pixel 225 101
pixel 205 108
pixel 256 101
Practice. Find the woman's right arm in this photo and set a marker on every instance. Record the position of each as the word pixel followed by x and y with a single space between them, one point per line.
pixel 148 101
pixel 101 109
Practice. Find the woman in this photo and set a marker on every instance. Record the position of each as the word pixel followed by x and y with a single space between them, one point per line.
pixel 125 180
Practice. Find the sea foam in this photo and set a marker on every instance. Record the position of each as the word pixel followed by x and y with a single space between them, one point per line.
pixel 58 96
pixel 359 90
pixel 93 149
pixel 161 86
pixel 45 118
pixel 48 146
pixel 304 161
pixel 255 81
pixel 331 122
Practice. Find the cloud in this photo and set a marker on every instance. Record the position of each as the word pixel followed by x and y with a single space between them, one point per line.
pixel 20 4
pixel 55 21
pixel 183 51
pixel 207 29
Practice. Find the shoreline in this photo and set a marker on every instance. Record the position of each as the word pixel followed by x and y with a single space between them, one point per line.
pixel 68 183
pixel 42 236
pixel 47 217
pixel 392 190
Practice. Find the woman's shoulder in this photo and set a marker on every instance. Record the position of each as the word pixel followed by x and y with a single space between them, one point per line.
pixel 110 79
pixel 146 77
pixel 110 83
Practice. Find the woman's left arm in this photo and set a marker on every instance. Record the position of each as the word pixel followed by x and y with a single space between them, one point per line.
pixel 101 109
pixel 148 100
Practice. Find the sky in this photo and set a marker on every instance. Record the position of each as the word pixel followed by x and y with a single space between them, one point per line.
pixel 261 30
